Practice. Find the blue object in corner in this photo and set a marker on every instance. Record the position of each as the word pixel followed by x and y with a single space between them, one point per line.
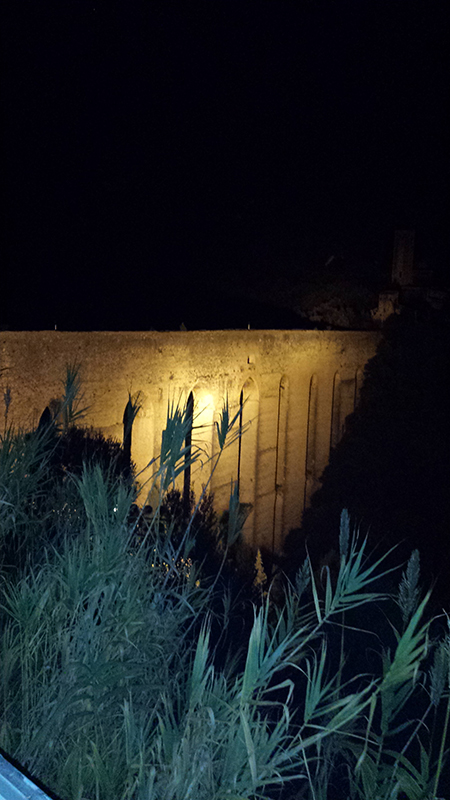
pixel 14 785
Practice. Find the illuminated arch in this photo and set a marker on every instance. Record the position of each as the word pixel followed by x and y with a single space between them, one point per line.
pixel 143 441
pixel 311 441
pixel 336 422
pixel 248 447
pixel 280 460
pixel 200 414
pixel 188 454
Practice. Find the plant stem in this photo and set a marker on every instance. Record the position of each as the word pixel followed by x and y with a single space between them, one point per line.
pixel 441 750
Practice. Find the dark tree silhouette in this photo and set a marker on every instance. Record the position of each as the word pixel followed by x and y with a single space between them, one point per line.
pixel 80 445
pixel 392 467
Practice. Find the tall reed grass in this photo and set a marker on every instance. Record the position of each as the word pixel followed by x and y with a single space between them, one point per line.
pixel 113 686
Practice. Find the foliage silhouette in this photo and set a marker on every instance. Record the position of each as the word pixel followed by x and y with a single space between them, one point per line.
pixel 114 684
pixel 392 467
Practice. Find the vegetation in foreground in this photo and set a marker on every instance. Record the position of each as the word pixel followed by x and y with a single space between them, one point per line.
pixel 122 675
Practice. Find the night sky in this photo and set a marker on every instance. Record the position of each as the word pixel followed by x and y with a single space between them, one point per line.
pixel 161 160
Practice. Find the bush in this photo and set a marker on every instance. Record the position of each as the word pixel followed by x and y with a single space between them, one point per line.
pixel 392 467
pixel 112 687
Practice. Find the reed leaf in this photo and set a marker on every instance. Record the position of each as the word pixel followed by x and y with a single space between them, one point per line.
pixel 113 685
pixel 409 591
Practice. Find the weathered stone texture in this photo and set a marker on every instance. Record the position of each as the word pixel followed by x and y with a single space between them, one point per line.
pixel 167 366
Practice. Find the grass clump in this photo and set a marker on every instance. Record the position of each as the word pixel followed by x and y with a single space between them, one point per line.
pixel 115 682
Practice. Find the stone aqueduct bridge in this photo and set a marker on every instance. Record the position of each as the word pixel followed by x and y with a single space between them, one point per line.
pixel 295 388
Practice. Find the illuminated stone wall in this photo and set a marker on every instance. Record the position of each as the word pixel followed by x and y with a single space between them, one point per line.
pixel 297 388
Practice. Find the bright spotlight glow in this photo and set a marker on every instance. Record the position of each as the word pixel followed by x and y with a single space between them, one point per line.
pixel 205 402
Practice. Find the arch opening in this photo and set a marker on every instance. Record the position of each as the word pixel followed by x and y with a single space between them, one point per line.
pixel 311 442
pixel 280 461
pixel 247 449
pixel 188 455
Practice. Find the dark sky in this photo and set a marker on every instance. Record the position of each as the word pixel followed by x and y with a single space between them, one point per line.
pixel 158 156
